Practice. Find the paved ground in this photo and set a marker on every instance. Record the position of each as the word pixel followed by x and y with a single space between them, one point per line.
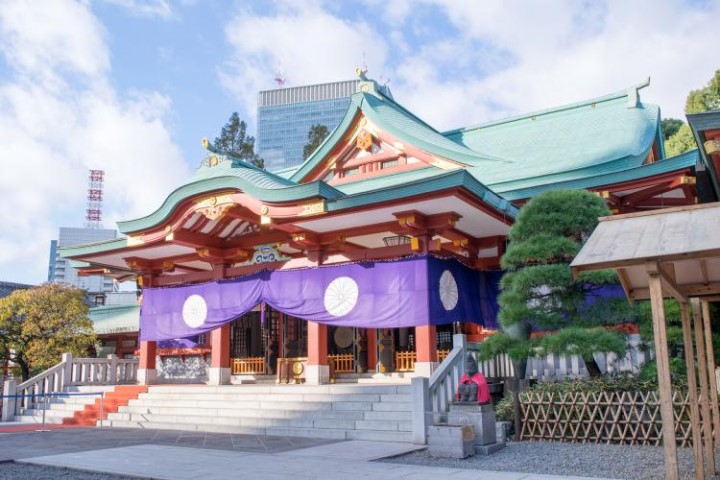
pixel 177 455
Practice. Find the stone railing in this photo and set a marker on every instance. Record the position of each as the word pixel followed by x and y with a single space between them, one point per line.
pixel 69 372
pixel 434 395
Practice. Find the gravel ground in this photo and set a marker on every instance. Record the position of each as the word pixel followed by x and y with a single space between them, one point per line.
pixel 588 460
pixel 23 471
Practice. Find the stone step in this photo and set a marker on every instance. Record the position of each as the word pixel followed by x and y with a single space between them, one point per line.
pixel 244 412
pixel 37 412
pixel 301 422
pixel 38 419
pixel 370 435
pixel 286 397
pixel 399 416
pixel 90 388
pixel 392 407
pixel 295 389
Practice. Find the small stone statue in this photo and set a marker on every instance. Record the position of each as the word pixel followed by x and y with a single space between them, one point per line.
pixel 473 386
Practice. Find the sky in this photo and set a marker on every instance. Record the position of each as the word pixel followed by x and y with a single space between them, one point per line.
pixel 132 86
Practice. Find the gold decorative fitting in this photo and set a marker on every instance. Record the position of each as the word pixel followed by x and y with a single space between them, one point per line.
pixel 460 242
pixel 712 147
pixel 687 180
pixel 205 142
pixel 264 210
pixel 133 240
pixel 313 208
pixel 170 237
pixel 213 161
pixel 168 265
pixel 265 220
pixel 414 244
pixel 215 207
pixel 203 252
pixel 365 88
pixel 298 237
pixel 364 140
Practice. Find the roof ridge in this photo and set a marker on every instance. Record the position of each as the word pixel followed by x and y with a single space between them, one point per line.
pixel 546 111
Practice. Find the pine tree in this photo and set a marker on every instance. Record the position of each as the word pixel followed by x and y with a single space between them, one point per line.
pixel 539 290
pixel 233 140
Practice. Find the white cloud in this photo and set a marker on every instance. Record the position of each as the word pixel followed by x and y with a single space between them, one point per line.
pixel 310 44
pixel 60 117
pixel 561 52
pixel 146 8
pixel 461 62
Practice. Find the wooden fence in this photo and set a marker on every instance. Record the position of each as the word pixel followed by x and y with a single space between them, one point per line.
pixel 343 362
pixel 626 418
pixel 249 365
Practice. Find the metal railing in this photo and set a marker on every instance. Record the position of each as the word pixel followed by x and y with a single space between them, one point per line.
pixel 44 401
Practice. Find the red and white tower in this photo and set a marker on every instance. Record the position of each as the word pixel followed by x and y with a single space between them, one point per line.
pixel 93 214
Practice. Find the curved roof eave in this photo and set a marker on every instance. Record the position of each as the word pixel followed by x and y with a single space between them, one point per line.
pixel 452 179
pixel 685 160
pixel 276 195
pixel 424 136
pixel 326 147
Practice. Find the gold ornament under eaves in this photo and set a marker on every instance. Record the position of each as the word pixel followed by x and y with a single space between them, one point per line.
pixel 215 207
pixel 364 140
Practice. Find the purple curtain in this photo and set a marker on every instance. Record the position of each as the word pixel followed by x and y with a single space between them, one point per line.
pixel 402 293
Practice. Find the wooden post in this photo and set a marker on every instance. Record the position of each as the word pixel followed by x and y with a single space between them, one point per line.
pixel 692 387
pixel 704 393
pixel 663 367
pixel 711 372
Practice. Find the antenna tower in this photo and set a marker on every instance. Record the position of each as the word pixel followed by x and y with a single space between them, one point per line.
pixel 93 214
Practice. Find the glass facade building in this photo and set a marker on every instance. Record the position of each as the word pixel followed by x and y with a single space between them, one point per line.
pixel 59 269
pixel 285 116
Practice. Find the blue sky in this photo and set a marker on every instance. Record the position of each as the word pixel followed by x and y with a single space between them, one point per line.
pixel 132 86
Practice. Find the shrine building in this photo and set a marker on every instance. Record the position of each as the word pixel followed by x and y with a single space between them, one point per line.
pixel 381 245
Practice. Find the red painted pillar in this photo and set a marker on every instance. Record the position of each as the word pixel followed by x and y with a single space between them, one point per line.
pixel 219 372
pixel 148 351
pixel 318 371
pixel 147 374
pixel 425 350
pixel 372 348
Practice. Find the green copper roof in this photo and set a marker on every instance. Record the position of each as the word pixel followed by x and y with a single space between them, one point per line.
pixel 411 187
pixel 91 248
pixel 221 172
pixel 115 318
pixel 610 133
pixel 699 123
pixel 395 119
pixel 688 159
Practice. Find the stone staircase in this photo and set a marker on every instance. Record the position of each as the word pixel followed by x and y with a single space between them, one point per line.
pixel 344 412
pixel 82 408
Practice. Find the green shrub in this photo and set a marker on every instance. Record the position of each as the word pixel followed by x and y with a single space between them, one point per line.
pixel 504 409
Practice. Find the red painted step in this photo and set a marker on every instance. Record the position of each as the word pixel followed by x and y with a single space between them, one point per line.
pixel 120 396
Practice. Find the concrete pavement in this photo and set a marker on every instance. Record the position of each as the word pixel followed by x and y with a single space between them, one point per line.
pixel 174 455
pixel 344 460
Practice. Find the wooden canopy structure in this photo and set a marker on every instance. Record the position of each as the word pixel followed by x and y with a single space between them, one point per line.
pixel 671 253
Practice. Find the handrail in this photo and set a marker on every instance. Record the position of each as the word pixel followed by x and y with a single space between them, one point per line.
pixel 69 372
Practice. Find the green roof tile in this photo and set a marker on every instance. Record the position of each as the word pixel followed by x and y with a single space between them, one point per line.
pixel 573 141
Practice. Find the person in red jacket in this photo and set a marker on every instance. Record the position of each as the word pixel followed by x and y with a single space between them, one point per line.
pixel 473 386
